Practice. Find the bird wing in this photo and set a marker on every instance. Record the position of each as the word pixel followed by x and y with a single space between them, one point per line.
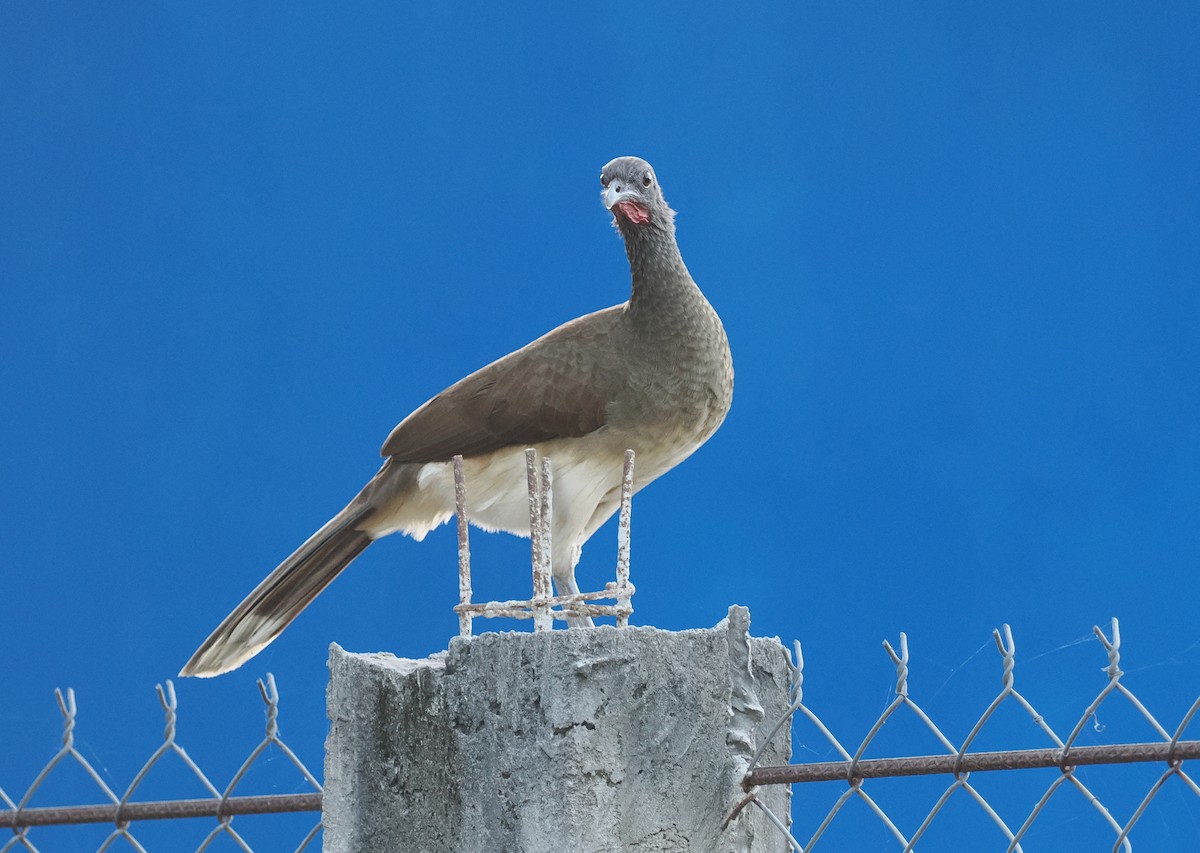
pixel 559 386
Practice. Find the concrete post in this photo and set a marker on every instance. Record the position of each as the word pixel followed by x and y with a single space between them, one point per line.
pixel 606 739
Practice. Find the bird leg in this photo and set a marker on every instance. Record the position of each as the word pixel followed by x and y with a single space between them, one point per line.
pixel 566 585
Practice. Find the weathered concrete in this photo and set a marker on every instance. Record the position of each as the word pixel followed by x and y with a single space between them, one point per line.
pixel 597 739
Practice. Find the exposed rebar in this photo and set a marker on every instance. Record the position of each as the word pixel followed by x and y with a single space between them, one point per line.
pixel 624 521
pixel 464 548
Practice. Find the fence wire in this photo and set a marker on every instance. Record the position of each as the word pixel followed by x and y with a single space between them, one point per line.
pixel 959 762
pixel 122 811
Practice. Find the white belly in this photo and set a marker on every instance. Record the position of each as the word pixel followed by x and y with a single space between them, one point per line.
pixel 587 489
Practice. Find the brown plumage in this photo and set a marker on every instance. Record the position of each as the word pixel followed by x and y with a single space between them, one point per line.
pixel 653 374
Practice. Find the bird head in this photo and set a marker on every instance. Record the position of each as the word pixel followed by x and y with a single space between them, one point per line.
pixel 632 193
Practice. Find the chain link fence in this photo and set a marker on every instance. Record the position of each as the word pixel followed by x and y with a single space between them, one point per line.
pixel 958 762
pixel 843 791
pixel 902 820
pixel 122 810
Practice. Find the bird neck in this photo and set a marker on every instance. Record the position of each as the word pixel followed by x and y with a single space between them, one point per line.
pixel 656 266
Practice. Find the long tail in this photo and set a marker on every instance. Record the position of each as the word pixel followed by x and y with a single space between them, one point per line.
pixel 275 602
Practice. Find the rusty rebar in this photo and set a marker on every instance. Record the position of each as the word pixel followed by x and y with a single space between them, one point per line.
pixel 464 548
pixel 624 525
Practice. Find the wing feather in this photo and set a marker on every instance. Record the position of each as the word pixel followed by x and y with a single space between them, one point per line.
pixel 559 386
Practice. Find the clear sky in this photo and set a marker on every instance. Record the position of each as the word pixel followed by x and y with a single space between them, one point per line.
pixel 955 247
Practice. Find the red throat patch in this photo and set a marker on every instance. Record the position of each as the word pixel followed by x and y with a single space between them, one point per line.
pixel 633 211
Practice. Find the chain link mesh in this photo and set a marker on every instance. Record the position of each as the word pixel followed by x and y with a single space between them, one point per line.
pixel 122 811
pixel 855 770
pixel 959 762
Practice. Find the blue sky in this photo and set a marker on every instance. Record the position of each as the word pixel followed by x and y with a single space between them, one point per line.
pixel 955 248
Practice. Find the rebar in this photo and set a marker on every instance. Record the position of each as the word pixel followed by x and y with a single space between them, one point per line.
pixel 464 548
pixel 543 606
pixel 624 524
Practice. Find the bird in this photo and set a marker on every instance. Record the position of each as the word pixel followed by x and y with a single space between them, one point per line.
pixel 653 374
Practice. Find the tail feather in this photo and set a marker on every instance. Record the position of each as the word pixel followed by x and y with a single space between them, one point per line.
pixel 275 602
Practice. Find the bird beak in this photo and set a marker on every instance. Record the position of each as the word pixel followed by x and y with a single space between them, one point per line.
pixel 626 202
pixel 615 194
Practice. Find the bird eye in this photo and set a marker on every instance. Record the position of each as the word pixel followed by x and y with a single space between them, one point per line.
pixel 604 180
pixel 647 180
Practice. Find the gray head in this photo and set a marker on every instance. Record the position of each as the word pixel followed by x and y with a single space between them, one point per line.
pixel 632 193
